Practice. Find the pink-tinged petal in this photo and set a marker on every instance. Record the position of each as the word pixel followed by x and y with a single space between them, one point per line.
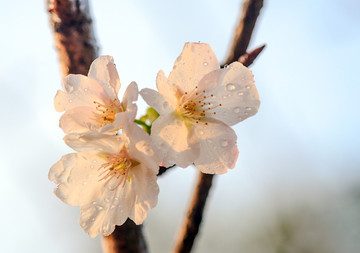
pixel 143 181
pixel 140 147
pixel 112 208
pixel 174 140
pixel 94 142
pixel 78 178
pixel 118 202
pixel 156 101
pixel 236 92
pixel 79 120
pixel 194 62
pixel 103 70
pixel 130 95
pixel 170 91
pixel 218 150
pixel 80 91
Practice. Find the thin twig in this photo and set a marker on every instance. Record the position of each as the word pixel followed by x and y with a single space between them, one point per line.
pixel 74 39
pixel 248 58
pixel 243 32
pixel 191 226
pixel 73 34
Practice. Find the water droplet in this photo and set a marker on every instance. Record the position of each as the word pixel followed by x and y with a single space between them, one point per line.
pixel 225 96
pixel 70 101
pixel 99 208
pixel 240 93
pixel 248 108
pixel 116 198
pixel 112 206
pixel 86 89
pixel 224 143
pixel 84 183
pixel 247 86
pixel 201 132
pixel 69 88
pixel 230 87
pixel 92 219
pixel 94 203
pixel 91 166
pixel 236 109
pixel 205 63
pixel 94 161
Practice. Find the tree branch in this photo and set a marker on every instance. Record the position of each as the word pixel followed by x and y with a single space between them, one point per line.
pixel 73 34
pixel 127 238
pixel 191 226
pixel 243 32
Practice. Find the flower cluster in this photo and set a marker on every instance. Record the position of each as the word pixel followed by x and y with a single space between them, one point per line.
pixel 113 175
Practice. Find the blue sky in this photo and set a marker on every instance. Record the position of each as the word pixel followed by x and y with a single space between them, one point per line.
pixel 304 138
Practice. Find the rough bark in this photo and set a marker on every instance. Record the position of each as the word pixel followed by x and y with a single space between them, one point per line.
pixel 73 34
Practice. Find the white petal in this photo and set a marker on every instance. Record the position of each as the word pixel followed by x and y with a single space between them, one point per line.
pixel 80 91
pixel 175 140
pixel 155 100
pixel 236 92
pixel 194 62
pixel 143 181
pixel 79 120
pixel 140 147
pixel 103 70
pixel 133 199
pixel 170 91
pixel 131 94
pixel 218 150
pixel 95 142
pixel 77 177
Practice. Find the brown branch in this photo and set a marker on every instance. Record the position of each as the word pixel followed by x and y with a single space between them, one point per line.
pixel 191 226
pixel 243 32
pixel 74 39
pixel 73 34
pixel 195 214
pixel 127 238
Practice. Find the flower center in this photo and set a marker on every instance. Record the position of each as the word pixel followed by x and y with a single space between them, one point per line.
pixel 107 111
pixel 118 167
pixel 195 105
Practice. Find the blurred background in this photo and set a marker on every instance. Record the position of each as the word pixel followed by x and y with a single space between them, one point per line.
pixel 295 187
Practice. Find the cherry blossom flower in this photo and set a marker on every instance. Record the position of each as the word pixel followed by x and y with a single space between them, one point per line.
pixel 111 178
pixel 197 103
pixel 91 103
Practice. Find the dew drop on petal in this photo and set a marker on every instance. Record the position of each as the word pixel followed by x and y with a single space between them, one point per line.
pixel 240 93
pixel 112 206
pixel 248 108
pixel 205 63
pixel 70 101
pixel 86 89
pixel 224 143
pixel 201 132
pixel 107 200
pixel 224 96
pixel 230 87
pixel 99 208
pixel 84 183
pixel 247 86
pixel 236 109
